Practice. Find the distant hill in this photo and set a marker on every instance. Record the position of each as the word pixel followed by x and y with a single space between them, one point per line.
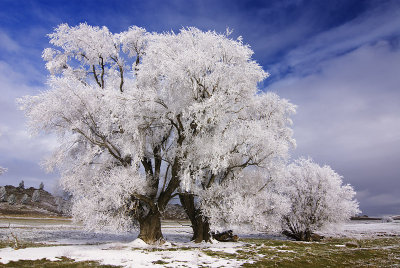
pixel 49 205
pixel 174 212
pixel 365 218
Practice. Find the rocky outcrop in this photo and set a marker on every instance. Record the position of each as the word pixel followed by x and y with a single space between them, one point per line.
pixel 25 204
pixel 28 204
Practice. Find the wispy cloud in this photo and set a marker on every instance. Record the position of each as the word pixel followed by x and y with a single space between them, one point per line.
pixel 348 116
pixel 7 43
pixel 372 26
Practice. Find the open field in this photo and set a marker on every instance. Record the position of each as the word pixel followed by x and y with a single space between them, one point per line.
pixel 58 242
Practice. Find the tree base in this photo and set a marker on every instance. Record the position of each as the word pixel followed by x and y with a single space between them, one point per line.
pixel 303 236
pixel 150 229
pixel 200 224
pixel 201 230
pixel 226 236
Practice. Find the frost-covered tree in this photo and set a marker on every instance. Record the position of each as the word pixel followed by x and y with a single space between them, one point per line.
pixel 3 194
pixel 225 124
pixel 25 199
pixel 63 205
pixel 2 170
pixel 41 186
pixel 318 199
pixel 11 199
pixel 387 219
pixel 36 196
pixel 252 200
pixel 143 117
pixel 110 153
pixel 21 185
pixel 59 191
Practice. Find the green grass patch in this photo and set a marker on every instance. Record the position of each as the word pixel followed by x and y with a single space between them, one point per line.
pixel 63 262
pixel 221 254
pixel 380 252
pixel 160 262
pixel 23 244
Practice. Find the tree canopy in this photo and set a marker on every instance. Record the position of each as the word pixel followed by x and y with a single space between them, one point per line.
pixel 142 117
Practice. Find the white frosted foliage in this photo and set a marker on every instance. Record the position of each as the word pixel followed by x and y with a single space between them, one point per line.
pixel 3 194
pixel 36 196
pixel 11 199
pixel 25 199
pixel 318 198
pixel 250 202
pixel 143 116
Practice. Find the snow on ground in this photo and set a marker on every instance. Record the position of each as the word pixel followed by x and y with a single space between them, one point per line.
pixel 117 249
pixel 72 241
pixel 121 255
pixel 366 229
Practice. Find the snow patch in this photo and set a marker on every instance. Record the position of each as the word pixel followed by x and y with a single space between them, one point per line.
pixel 138 243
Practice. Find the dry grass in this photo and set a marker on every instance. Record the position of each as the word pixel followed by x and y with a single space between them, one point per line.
pixel 63 262
pixel 373 252
pixel 381 252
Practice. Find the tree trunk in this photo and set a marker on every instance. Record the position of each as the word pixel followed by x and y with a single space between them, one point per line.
pixel 150 228
pixel 201 229
pixel 307 235
pixel 299 235
pixel 200 224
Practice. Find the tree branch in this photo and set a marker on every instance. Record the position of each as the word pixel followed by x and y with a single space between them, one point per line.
pixel 95 75
pixel 102 71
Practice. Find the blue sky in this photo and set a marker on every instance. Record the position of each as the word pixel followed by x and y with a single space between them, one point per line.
pixel 338 61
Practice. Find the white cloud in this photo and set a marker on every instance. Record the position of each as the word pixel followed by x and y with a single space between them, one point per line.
pixel 376 24
pixel 20 152
pixel 349 117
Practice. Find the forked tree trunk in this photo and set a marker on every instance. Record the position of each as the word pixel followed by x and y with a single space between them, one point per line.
pixel 150 228
pixel 200 225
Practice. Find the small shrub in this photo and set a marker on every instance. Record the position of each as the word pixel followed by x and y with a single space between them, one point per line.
pixel 21 185
pixel 13 239
pixel 318 198
pixel 25 199
pixel 63 206
pixel 36 196
pixel 41 186
pixel 11 199
pixel 3 194
pixel 387 219
pixel 60 204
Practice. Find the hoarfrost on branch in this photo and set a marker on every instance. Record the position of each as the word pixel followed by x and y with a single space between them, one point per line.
pixel 318 199
pixel 142 117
